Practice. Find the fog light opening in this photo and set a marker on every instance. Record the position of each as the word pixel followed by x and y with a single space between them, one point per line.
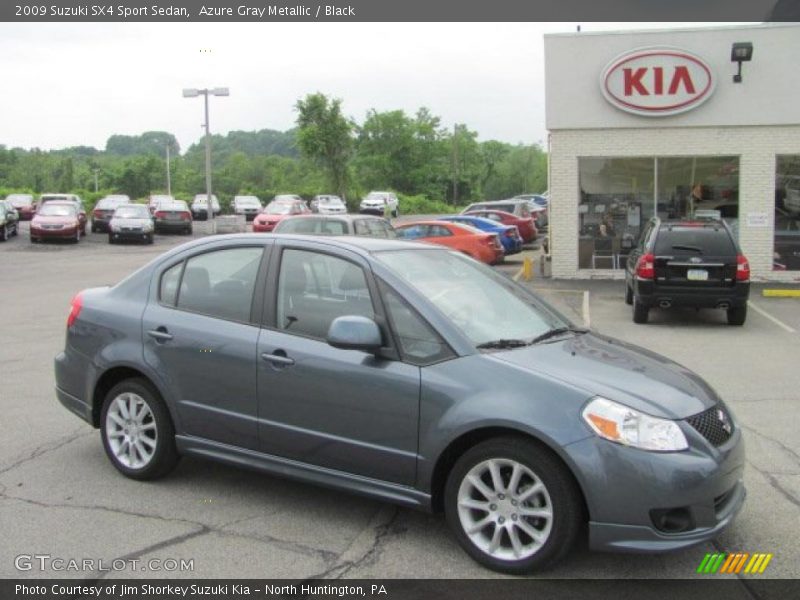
pixel 672 520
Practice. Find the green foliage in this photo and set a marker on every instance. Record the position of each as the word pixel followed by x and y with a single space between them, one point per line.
pixel 324 135
pixel 414 155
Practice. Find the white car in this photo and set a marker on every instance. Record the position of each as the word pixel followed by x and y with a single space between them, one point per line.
pixel 249 206
pixel 326 204
pixel 375 202
pixel 156 199
pixel 200 206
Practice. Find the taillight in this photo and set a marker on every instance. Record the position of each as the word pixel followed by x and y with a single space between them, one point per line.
pixel 742 268
pixel 160 214
pixel 646 268
pixel 186 216
pixel 74 309
pixel 98 213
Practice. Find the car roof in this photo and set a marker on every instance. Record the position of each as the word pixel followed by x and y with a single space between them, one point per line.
pixel 338 217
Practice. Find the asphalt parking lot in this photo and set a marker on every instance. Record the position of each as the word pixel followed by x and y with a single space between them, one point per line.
pixel 61 497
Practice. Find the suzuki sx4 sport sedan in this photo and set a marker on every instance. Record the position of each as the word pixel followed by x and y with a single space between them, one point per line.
pixel 456 390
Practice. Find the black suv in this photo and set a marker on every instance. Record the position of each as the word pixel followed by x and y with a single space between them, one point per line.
pixel 687 263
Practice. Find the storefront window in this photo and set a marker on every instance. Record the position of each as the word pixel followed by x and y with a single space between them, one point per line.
pixel 787 214
pixel 619 195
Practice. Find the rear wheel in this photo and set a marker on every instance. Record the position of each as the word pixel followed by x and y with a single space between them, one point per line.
pixel 4 235
pixel 628 294
pixel 110 239
pixel 137 431
pixel 395 213
pixel 513 506
pixel 737 315
pixel 640 311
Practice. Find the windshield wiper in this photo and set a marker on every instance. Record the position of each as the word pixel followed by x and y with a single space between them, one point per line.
pixel 502 344
pixel 692 248
pixel 557 331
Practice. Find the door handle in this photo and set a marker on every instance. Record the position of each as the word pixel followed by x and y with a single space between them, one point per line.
pixel 279 358
pixel 160 334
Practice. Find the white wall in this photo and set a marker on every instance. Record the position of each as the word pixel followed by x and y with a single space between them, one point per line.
pixel 769 93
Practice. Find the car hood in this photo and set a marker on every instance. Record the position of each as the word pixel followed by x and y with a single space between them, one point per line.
pixel 622 372
pixel 130 222
pixel 270 218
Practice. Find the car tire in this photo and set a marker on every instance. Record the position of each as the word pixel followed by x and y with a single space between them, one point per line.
pixel 737 315
pixel 641 312
pixel 150 239
pixel 110 239
pixel 395 213
pixel 628 294
pixel 557 503
pixel 77 238
pixel 4 233
pixel 153 453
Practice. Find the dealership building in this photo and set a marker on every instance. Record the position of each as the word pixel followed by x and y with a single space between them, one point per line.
pixel 697 123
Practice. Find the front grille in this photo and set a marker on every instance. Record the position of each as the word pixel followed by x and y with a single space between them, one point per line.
pixel 713 424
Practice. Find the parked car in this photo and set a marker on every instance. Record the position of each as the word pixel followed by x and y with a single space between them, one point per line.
pixel 56 220
pixel 104 210
pixel 75 199
pixel 172 216
pixel 280 208
pixel 508 234
pixel 410 374
pixel 9 220
pixel 484 247
pixel 525 225
pixel 131 222
pixel 155 199
pixel 374 203
pixel 787 241
pixel 327 204
pixel 249 206
pixel 363 225
pixel 200 207
pixel 687 263
pixel 539 207
pixel 24 205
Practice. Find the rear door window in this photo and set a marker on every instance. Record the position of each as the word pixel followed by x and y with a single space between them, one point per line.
pixel 694 241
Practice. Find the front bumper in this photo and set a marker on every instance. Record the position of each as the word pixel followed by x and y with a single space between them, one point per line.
pixel 371 210
pixel 263 227
pixel 64 233
pixel 625 488
pixel 131 235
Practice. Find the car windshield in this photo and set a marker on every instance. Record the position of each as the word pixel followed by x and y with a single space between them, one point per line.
pixel 485 306
pixel 247 201
pixel 132 212
pixel 682 241
pixel 278 208
pixel 286 198
pixel 56 210
pixel 330 200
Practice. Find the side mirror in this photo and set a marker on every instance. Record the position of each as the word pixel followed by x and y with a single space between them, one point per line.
pixel 355 333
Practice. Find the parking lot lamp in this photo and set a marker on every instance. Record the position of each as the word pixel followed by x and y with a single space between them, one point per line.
pixel 193 93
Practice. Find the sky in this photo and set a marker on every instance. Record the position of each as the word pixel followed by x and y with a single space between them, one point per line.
pixel 77 84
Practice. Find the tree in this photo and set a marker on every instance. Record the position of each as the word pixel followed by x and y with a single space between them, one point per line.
pixel 325 136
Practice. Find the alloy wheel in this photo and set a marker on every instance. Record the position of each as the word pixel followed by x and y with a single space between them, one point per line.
pixel 505 509
pixel 131 430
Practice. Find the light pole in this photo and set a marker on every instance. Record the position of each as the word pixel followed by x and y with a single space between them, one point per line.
pixel 169 182
pixel 96 171
pixel 193 93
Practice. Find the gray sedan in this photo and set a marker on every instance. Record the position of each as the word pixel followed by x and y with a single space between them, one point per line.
pixel 456 390
pixel 131 222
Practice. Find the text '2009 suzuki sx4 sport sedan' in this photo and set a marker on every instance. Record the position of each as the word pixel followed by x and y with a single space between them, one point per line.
pixel 457 390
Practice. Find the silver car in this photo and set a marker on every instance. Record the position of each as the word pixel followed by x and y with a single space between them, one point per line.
pixel 131 222
pixel 249 206
pixel 327 204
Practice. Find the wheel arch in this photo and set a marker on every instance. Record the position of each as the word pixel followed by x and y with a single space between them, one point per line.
pixel 114 375
pixel 458 446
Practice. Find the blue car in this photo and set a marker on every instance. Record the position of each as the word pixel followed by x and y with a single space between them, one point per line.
pixel 508 234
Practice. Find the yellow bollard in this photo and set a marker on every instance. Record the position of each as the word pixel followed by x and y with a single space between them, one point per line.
pixel 527 268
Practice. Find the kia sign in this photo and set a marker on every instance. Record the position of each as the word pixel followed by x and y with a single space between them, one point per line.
pixel 657 82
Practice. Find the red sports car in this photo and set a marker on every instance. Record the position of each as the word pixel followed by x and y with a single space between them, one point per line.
pixel 526 225
pixel 276 211
pixel 482 246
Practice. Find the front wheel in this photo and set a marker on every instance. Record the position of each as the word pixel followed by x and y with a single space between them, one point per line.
pixel 513 506
pixel 137 431
pixel 737 315
pixel 4 233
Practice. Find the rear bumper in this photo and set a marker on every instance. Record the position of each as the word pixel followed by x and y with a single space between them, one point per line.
pixel 100 224
pixel 68 374
pixel 173 225
pixel 651 294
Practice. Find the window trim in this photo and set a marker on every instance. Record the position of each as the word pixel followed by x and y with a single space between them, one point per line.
pixel 269 315
pixel 256 302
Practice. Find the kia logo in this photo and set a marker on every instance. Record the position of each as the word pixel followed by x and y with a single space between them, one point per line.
pixel 657 81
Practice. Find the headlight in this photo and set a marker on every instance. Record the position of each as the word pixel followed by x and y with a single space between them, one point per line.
pixel 623 425
pixel 147 226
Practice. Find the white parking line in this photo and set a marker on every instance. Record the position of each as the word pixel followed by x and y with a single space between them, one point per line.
pixel 765 314
pixel 587 321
